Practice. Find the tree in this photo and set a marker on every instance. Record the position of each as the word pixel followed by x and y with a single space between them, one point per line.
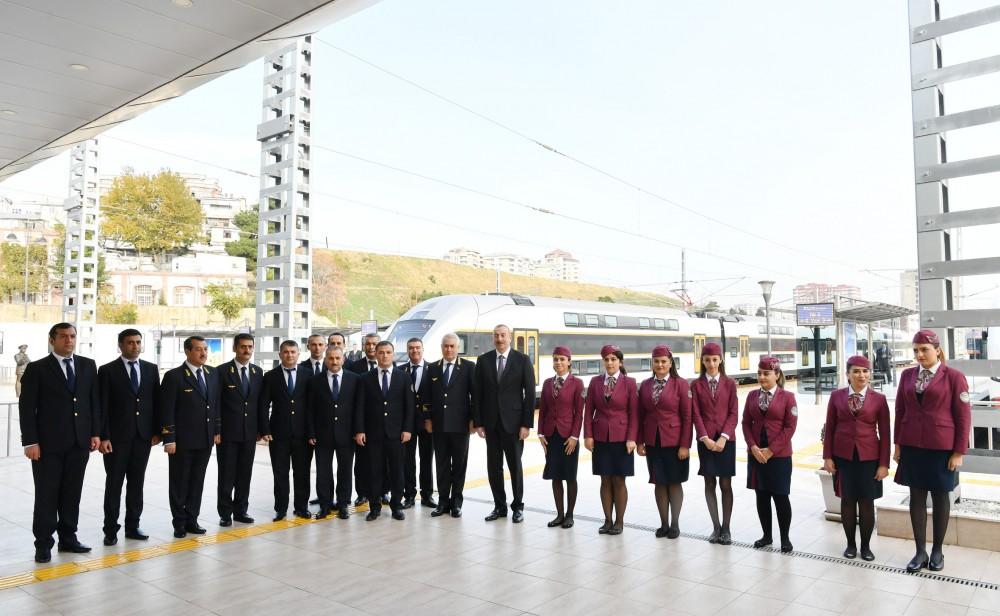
pixel 607 299
pixel 246 246
pixel 155 214
pixel 227 300
pixel 712 306
pixel 12 270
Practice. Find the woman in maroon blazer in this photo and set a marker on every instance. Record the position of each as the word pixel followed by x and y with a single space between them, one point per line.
pixel 933 418
pixel 610 425
pixel 716 411
pixel 560 414
pixel 856 451
pixel 769 419
pixel 665 437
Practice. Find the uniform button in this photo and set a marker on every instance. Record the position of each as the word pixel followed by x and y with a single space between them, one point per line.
pixel 74 399
pixel 334 406
pixel 445 406
pixel 207 420
pixel 137 412
pixel 137 400
pixel 293 401
pixel 336 418
pixel 386 414
pixel 293 412
pixel 385 403
pixel 446 395
pixel 245 414
pixel 76 414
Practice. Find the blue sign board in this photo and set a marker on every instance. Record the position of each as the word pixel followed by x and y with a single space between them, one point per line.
pixel 814 315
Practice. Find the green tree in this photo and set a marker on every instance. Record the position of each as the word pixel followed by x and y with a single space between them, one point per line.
pixel 246 246
pixel 712 306
pixel 12 270
pixel 123 314
pixel 227 300
pixel 155 214
pixel 607 299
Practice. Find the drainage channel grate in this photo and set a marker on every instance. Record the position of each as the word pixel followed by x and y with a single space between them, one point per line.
pixel 861 564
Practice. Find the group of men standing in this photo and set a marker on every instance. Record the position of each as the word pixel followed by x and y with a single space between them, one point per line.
pixel 375 418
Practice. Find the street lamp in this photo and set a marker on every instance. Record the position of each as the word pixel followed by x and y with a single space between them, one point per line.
pixel 13 238
pixel 765 289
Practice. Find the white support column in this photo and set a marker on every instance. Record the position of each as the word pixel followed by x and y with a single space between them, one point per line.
pixel 80 269
pixel 284 251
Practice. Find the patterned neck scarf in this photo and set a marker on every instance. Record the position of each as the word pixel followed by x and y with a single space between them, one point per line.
pixel 854 403
pixel 713 384
pixel 609 386
pixel 764 401
pixel 556 386
pixel 923 380
pixel 658 385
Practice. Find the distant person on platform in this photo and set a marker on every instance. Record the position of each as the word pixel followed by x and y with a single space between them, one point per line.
pixel 504 415
pixel 361 365
pixel 883 362
pixel 21 361
pixel 317 349
pixel 189 411
pixel 129 393
pixel 60 417
pixel 355 354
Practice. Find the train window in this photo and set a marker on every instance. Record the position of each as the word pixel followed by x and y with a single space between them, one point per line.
pixel 591 320
pixel 571 319
pixel 628 322
pixel 643 323
pixel 610 321
pixel 659 324
pixel 673 325
pixel 761 329
pixel 593 366
pixel 645 364
pixel 531 349
pixel 462 341
pixel 519 344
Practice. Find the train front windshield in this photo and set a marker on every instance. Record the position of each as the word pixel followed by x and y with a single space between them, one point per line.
pixel 404 330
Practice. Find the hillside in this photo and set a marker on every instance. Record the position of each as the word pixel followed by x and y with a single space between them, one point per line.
pixel 346 285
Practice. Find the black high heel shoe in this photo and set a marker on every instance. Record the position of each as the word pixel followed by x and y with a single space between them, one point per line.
pixel 918 562
pixel 556 522
pixel 603 530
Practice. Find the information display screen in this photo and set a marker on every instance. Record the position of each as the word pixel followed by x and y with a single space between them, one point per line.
pixel 814 315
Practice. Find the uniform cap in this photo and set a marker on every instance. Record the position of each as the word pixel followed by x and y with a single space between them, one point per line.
pixel 711 349
pixel 859 360
pixel 926 336
pixel 768 362
pixel 662 350
pixel 564 351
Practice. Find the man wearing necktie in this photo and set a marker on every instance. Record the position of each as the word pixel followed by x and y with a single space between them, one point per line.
pixel 416 368
pixel 189 412
pixel 60 418
pixel 242 425
pixel 361 366
pixel 382 427
pixel 317 349
pixel 450 423
pixel 129 392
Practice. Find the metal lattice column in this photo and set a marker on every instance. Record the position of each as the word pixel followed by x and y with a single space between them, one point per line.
pixel 284 252
pixel 938 262
pixel 80 269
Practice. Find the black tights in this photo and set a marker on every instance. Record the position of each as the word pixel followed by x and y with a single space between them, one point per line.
pixel 781 506
pixel 726 487
pixel 941 507
pixel 851 509
pixel 557 493
pixel 614 494
pixel 669 499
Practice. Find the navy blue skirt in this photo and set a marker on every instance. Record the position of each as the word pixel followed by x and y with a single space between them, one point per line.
pixel 664 467
pixel 774 477
pixel 856 478
pixel 717 463
pixel 559 466
pixel 612 459
pixel 925 469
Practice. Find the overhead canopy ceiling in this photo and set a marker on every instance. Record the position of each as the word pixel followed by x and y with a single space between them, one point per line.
pixel 70 69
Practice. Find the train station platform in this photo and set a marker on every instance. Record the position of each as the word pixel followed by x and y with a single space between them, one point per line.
pixel 425 565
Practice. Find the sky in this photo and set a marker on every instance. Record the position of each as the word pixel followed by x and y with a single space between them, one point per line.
pixel 768 140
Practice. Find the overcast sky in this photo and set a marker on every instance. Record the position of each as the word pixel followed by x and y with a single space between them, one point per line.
pixel 786 121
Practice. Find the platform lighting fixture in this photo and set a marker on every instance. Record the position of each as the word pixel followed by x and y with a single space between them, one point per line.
pixel 79 67
pixel 765 289
pixel 184 4
pixel 8 112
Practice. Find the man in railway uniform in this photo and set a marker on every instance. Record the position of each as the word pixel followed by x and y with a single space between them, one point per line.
pixel 317 360
pixel 129 391
pixel 242 424
pixel 450 423
pixel 504 413
pixel 366 363
pixel 317 350
pixel 189 411
pixel 416 368
pixel 383 427
pixel 60 425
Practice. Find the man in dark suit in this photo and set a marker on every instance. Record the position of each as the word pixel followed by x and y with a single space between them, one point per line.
pixel 504 414
pixel 240 384
pixel 189 410
pixel 449 422
pixel 383 425
pixel 336 340
pixel 416 368
pixel 364 364
pixel 334 399
pixel 129 392
pixel 286 429
pixel 60 417
pixel 317 349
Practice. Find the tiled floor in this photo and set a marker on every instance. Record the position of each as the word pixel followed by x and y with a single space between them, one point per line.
pixel 444 566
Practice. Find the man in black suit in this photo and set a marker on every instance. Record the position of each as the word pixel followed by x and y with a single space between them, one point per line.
pixel 504 414
pixel 240 384
pixel 317 349
pixel 285 430
pixel 60 417
pixel 416 368
pixel 335 398
pixel 383 426
pixel 450 423
pixel 189 410
pixel 364 364
pixel 129 392
pixel 336 340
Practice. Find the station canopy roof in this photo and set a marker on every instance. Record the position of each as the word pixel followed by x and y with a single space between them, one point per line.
pixel 70 69
pixel 869 312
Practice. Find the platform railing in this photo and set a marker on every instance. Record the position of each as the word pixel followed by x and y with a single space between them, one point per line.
pixel 984 441
pixel 11 427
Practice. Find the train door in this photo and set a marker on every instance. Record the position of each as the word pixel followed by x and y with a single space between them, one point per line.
pixel 805 353
pixel 744 353
pixel 699 342
pixel 526 341
pixel 829 352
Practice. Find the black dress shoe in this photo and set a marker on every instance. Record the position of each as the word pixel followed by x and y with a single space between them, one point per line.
pixel 786 547
pixel 496 514
pixel 372 515
pixel 660 533
pixel 398 515
pixel 456 512
pixel 725 538
pixel 408 502
pixel 322 513
pixel 850 552
pixel 314 501
pixel 763 542
pixel 673 532
pixel 517 517
pixel 303 514
pixel 714 537
pixel 278 517
pixel 603 530
pixel 918 562
pixel 866 554
pixel 194 529
pixel 225 522
pixel 242 518
pixel 110 539
pixel 361 500
pixel 936 562
pixel 74 548
pixel 439 511
pixel 343 513
pixel 568 522
pixel 180 533
pixel 137 534
pixel 556 522
pixel 43 556
pixel 617 530
pixel 428 501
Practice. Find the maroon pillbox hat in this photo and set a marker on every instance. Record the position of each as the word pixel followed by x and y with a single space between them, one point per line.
pixel 662 350
pixel 768 362
pixel 609 349
pixel 711 348
pixel 860 361
pixel 564 351
pixel 926 336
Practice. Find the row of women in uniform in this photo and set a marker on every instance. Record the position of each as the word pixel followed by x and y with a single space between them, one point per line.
pixel 656 418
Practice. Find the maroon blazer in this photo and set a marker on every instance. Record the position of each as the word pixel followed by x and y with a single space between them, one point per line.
pixel 671 415
pixel 563 414
pixel 782 417
pixel 846 432
pixel 715 417
pixel 943 418
pixel 615 420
